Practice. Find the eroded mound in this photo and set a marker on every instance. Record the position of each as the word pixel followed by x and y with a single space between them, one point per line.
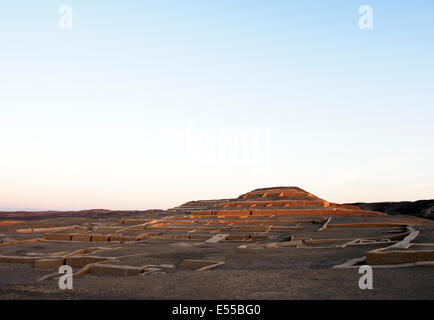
pixel 273 201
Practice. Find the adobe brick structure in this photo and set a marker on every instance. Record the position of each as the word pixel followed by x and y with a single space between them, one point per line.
pixel 290 201
pixel 281 228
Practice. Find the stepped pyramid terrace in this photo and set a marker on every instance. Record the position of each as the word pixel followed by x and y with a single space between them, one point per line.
pixel 217 249
pixel 291 201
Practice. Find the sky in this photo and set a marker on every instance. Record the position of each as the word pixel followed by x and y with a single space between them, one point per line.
pixel 149 104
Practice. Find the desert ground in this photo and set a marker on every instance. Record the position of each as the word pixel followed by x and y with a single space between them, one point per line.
pixel 274 243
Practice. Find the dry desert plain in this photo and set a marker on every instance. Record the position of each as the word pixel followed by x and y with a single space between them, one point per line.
pixel 272 243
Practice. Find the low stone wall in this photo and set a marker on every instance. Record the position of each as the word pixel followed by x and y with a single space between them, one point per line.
pixel 114 270
pixel 398 257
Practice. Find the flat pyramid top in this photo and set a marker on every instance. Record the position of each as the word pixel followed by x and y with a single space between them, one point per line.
pixel 279 193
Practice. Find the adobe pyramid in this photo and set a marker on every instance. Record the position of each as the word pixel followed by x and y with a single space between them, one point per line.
pixel 273 201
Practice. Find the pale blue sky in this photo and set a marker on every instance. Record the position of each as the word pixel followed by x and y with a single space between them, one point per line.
pixel 148 104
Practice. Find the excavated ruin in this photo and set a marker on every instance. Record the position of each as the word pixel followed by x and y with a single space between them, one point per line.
pixel 263 229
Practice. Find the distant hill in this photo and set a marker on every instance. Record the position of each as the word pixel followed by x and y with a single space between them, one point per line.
pixel 420 208
pixel 34 215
